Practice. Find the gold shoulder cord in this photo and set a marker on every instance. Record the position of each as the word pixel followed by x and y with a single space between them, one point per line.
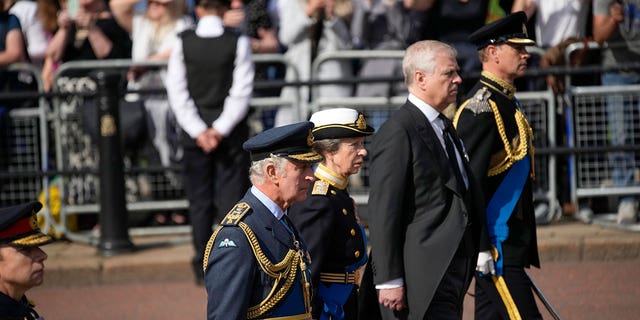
pixel 525 134
pixel 207 249
pixel 284 270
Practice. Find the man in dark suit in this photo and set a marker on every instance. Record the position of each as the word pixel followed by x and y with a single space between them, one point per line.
pixel 256 264
pixel 425 216
pixel 499 140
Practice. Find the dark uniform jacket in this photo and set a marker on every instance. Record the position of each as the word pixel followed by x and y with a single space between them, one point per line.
pixel 484 138
pixel 417 216
pixel 328 224
pixel 242 266
pixel 13 310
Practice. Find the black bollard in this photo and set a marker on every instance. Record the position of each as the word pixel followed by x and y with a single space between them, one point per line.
pixel 114 233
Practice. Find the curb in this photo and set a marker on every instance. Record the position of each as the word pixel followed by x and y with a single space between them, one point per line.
pixel 168 259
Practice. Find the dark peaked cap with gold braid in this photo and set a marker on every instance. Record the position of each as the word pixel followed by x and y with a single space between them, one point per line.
pixel 510 29
pixel 19 226
pixel 339 123
pixel 292 141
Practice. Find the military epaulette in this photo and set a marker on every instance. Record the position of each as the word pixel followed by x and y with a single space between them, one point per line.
pixel 320 187
pixel 479 102
pixel 236 214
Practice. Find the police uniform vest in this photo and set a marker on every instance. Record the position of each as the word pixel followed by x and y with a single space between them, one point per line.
pixel 209 65
pixel 514 142
pixel 286 294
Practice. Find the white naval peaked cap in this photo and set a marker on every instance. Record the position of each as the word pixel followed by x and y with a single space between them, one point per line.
pixel 339 123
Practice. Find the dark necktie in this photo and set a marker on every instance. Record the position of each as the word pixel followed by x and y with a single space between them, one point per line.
pixel 448 135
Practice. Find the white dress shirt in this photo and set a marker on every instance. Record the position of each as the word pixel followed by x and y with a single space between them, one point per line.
pixel 236 105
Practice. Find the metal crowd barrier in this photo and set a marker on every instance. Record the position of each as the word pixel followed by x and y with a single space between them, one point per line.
pixel 69 156
pixel 76 153
pixel 594 135
pixel 592 128
pixel 26 149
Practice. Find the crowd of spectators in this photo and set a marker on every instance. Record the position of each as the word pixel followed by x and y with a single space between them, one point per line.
pixel 145 30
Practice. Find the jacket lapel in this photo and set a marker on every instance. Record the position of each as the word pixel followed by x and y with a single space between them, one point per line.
pixel 430 139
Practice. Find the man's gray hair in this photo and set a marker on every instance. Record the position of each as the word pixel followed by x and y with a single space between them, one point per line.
pixel 256 171
pixel 422 56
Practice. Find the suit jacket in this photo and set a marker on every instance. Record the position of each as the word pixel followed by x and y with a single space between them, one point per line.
pixel 417 213
pixel 234 279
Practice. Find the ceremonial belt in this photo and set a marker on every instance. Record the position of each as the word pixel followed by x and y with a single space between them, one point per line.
pixel 347 277
pixel 501 205
pixel 335 288
pixel 304 316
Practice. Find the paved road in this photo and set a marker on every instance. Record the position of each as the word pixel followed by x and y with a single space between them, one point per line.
pixel 578 290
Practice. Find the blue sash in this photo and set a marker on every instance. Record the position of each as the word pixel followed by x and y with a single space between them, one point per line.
pixel 502 204
pixel 335 295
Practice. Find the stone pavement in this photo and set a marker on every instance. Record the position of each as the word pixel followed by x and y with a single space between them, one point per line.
pixel 167 258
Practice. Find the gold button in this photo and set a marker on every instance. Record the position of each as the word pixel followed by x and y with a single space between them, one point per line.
pixel 353 232
pixel 357 254
pixel 345 212
pixel 333 192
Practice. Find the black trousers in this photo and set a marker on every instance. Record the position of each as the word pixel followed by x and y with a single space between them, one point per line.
pixel 214 182
pixel 490 305
pixel 448 300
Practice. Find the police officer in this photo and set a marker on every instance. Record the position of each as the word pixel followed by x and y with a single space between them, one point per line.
pixel 498 139
pixel 21 259
pixel 327 219
pixel 256 264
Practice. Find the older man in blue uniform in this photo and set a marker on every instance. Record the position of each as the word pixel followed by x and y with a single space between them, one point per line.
pixel 256 264
pixel 21 259
pixel 498 139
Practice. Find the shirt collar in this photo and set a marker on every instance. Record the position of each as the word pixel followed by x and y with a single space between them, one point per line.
pixel 209 26
pixel 272 206
pixel 429 112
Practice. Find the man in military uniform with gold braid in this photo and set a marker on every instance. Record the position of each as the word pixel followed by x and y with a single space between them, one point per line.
pixel 21 260
pixel 328 219
pixel 256 264
pixel 498 140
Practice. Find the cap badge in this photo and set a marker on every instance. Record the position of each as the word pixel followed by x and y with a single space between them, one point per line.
pixel 33 222
pixel 310 139
pixel 361 123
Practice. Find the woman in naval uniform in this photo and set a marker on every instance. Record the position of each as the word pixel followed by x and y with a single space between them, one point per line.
pixel 327 219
